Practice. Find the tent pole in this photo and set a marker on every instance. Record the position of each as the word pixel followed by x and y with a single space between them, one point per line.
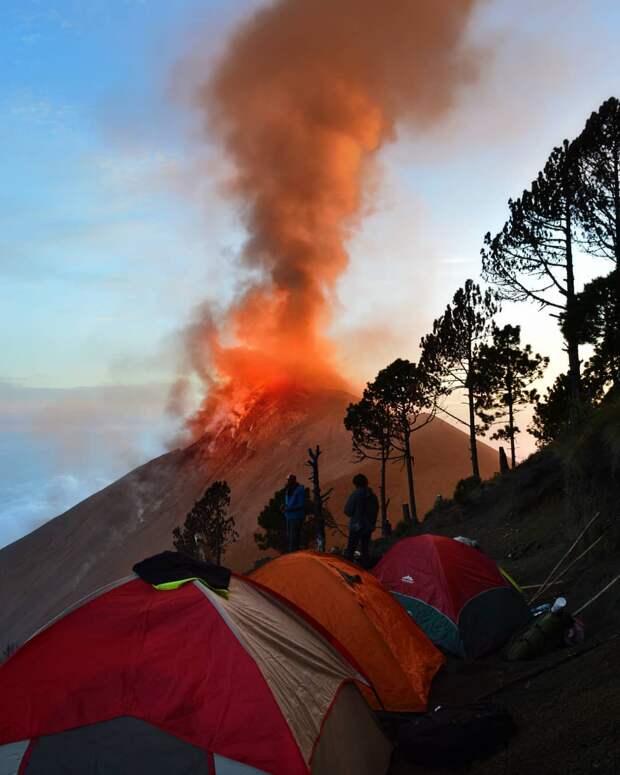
pixel 598 594
pixel 563 573
pixel 573 545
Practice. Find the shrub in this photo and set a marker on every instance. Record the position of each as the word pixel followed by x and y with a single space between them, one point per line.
pixel 404 528
pixel 465 489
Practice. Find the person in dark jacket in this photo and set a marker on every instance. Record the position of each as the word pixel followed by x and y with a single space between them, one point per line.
pixel 294 511
pixel 362 507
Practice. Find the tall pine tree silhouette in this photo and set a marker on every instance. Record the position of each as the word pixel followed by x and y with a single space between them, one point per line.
pixel 531 259
pixel 510 369
pixel 599 205
pixel 599 168
pixel 409 393
pixel 452 353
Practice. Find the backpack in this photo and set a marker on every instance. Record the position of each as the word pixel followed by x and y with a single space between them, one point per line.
pixel 546 633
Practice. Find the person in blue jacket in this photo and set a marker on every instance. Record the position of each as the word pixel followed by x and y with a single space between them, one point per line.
pixel 294 511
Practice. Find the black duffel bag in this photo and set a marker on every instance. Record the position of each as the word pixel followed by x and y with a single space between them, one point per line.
pixel 454 737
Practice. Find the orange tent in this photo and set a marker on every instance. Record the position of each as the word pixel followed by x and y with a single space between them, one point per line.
pixel 356 610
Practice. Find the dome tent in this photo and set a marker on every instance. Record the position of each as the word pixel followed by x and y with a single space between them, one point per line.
pixel 351 604
pixel 454 592
pixel 135 680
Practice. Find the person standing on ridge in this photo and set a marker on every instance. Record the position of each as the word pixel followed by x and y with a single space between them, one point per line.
pixel 362 507
pixel 294 511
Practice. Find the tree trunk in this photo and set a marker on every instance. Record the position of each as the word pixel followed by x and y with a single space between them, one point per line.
pixel 617 214
pixel 570 335
pixel 409 464
pixel 503 462
pixel 313 463
pixel 472 433
pixel 382 497
pixel 511 426
pixel 617 250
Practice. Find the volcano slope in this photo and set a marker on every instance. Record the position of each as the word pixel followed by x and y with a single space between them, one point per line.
pixel 99 539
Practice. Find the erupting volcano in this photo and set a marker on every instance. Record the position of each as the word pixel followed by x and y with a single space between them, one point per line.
pixel 304 96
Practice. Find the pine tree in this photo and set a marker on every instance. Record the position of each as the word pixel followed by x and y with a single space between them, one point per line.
pixel 550 414
pixel 599 169
pixel 596 319
pixel 207 530
pixel 409 394
pixel 531 259
pixel 599 215
pixel 452 353
pixel 371 425
pixel 550 421
pixel 510 370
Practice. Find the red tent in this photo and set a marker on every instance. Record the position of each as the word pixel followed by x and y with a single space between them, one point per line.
pixel 137 680
pixel 455 593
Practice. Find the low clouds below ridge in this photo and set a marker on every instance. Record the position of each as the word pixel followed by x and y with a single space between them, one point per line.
pixel 58 446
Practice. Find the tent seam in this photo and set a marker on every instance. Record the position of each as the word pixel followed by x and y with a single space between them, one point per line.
pixel 235 631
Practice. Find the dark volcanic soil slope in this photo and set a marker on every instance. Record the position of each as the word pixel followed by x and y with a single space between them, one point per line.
pixel 99 539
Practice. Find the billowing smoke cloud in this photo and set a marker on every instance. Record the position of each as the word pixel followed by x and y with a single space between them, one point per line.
pixel 305 95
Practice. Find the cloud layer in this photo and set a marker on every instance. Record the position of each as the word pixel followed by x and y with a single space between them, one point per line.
pixel 59 446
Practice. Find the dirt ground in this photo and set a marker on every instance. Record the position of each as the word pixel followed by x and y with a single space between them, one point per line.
pixel 566 707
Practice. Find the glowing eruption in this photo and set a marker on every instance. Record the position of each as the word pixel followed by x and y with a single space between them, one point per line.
pixel 306 93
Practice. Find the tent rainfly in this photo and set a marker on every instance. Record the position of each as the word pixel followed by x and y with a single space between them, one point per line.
pixel 356 610
pixel 136 680
pixel 454 592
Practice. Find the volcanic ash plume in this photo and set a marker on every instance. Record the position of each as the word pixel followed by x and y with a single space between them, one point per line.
pixel 306 93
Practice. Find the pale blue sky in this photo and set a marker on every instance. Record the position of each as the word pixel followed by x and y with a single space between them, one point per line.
pixel 91 232
pixel 112 229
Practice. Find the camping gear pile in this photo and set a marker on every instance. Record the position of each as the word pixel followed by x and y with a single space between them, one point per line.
pixel 553 624
pixel 546 633
pixel 185 667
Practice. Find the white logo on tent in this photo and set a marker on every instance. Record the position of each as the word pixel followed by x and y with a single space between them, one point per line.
pixel 407 579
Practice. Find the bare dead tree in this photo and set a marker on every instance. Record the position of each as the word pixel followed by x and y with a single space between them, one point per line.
pixel 318 499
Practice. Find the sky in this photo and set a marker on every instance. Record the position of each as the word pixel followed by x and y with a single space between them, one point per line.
pixel 114 227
